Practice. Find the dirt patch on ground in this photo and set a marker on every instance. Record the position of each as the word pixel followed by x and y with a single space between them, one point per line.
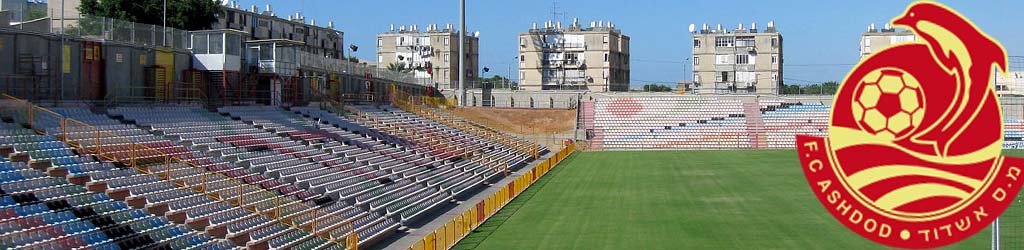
pixel 522 121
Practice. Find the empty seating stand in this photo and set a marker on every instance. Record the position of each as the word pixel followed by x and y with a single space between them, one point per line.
pixel 675 122
pixel 365 164
pixel 373 173
pixel 783 121
pixel 38 211
pixel 671 123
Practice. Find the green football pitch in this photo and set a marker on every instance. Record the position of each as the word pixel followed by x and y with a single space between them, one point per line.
pixel 683 200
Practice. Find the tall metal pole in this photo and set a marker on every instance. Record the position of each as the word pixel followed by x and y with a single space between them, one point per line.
pixel 462 52
pixel 62 54
pixel 995 223
pixel 165 24
pixel 995 234
pixel 61 17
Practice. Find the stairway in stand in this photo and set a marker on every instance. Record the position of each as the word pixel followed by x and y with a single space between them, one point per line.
pixel 755 125
pixel 597 143
pixel 587 115
pixel 586 122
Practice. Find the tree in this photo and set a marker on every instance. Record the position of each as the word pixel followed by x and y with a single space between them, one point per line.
pixel 791 89
pixel 657 88
pixel 181 14
pixel 497 82
pixel 353 59
pixel 34 14
pixel 813 89
pixel 398 67
pixel 830 87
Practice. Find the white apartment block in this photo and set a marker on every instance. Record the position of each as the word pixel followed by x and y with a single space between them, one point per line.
pixel 553 57
pixel 431 54
pixel 740 61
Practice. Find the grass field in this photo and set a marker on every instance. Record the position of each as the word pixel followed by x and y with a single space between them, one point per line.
pixel 681 200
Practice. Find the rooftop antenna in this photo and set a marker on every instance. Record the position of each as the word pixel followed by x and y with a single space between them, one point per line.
pixel 556 13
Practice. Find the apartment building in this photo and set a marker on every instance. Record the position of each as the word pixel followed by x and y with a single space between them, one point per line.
pixel 1011 83
pixel 594 58
pixel 66 9
pixel 744 60
pixel 267 25
pixel 874 39
pixel 431 54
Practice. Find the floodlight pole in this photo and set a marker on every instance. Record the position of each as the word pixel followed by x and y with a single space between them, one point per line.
pixel 995 234
pixel 63 38
pixel 462 53
pixel 165 24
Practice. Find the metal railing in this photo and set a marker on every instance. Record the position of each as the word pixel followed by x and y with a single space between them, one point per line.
pixel 462 225
pixel 310 60
pixel 421 106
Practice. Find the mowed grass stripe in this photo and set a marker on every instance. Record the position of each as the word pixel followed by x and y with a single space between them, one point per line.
pixel 679 200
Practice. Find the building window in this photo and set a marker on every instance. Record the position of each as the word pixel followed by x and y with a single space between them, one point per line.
pixel 745 41
pixel 200 45
pixel 380 42
pixel 605 39
pixel 522 42
pixel 447 41
pixel 233 43
pixel 216 44
pixel 380 59
pixel 746 77
pixel 725 41
pixel 775 59
pixel 775 78
pixel 572 58
pixel 696 78
pixel 447 58
pixel 522 58
pixel 743 59
pixel 696 61
pixel 775 42
pixel 605 57
pixel 696 43
pixel 721 59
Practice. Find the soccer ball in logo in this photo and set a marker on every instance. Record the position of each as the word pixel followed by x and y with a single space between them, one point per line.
pixel 889 102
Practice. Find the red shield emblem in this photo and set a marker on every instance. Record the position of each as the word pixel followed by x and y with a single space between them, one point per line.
pixel 913 154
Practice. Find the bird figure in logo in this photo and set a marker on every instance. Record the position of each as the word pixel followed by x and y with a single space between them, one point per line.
pixel 967 55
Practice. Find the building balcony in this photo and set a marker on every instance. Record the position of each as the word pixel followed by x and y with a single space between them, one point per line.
pixel 569 64
pixel 564 46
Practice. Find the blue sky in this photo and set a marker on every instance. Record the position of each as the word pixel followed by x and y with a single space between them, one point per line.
pixel 821 37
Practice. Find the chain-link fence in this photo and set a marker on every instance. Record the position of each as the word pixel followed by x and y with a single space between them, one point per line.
pixel 1009 229
pixel 311 61
pixel 110 29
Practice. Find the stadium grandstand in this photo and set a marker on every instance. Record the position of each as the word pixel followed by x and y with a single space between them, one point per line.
pixel 258 176
pixel 112 140
pixel 672 122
